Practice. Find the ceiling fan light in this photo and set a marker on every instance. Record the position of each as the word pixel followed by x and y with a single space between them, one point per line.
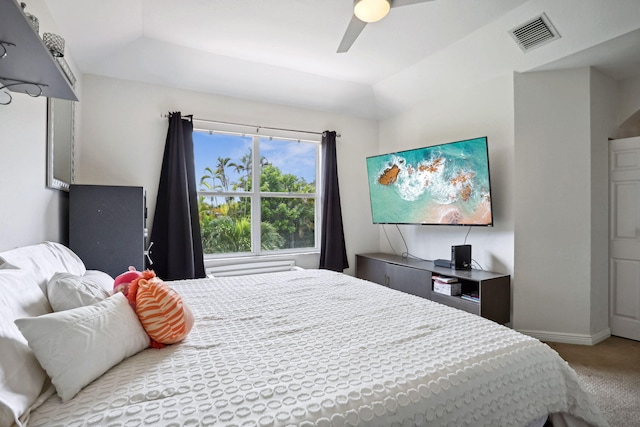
pixel 371 10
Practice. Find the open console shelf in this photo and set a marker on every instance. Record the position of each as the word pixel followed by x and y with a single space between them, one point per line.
pixel 415 277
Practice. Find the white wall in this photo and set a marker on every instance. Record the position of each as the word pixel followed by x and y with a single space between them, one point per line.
pixel 628 108
pixel 29 212
pixel 124 136
pixel 486 110
pixel 552 202
pixel 605 99
pixel 562 119
pixel 629 102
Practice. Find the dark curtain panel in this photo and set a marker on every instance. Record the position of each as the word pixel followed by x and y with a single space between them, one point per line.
pixel 177 245
pixel 333 252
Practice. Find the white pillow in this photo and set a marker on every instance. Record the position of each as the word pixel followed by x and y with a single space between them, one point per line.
pixel 77 346
pixel 22 379
pixel 43 260
pixel 100 277
pixel 67 291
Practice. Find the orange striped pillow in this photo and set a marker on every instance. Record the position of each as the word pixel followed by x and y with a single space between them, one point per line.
pixel 162 312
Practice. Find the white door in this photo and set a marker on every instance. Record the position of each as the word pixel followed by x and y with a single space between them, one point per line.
pixel 624 235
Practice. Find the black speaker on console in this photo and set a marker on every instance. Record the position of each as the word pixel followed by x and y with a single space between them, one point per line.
pixel 461 257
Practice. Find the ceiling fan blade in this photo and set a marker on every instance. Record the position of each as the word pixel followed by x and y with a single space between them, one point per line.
pixel 351 34
pixel 398 3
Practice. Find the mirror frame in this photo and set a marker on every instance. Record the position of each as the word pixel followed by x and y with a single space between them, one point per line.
pixel 53 180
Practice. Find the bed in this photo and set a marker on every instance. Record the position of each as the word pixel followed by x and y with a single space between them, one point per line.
pixel 299 348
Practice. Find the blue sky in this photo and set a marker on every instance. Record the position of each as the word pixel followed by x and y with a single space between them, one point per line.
pixel 289 156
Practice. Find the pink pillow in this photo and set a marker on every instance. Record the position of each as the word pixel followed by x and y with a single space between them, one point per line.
pixel 121 283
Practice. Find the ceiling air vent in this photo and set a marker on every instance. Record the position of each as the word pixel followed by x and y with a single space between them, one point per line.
pixel 534 33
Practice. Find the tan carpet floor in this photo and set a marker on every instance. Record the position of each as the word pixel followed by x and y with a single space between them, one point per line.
pixel 610 371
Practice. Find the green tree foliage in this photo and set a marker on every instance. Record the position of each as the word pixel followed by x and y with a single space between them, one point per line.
pixel 292 217
pixel 287 222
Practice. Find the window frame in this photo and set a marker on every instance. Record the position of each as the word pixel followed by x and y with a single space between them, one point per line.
pixel 256 196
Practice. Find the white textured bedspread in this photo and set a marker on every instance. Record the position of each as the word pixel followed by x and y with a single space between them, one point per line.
pixel 317 348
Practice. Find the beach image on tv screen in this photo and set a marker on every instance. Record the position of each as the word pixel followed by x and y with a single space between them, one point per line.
pixel 442 184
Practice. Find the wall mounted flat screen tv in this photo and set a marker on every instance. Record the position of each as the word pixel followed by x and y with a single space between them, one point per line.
pixel 445 184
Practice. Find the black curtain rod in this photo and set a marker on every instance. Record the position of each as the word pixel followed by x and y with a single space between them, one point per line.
pixel 190 117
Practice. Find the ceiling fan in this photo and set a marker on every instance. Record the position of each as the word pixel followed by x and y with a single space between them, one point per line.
pixel 366 11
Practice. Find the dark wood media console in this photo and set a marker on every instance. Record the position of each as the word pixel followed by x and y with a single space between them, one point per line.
pixel 414 276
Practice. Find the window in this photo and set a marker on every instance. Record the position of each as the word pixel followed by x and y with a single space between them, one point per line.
pixel 252 210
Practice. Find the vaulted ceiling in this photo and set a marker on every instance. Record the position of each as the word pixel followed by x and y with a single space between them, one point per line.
pixel 284 51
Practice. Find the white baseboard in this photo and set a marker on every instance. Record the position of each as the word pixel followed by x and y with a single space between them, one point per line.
pixel 581 339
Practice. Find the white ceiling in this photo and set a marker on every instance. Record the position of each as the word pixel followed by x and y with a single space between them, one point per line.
pixel 284 51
